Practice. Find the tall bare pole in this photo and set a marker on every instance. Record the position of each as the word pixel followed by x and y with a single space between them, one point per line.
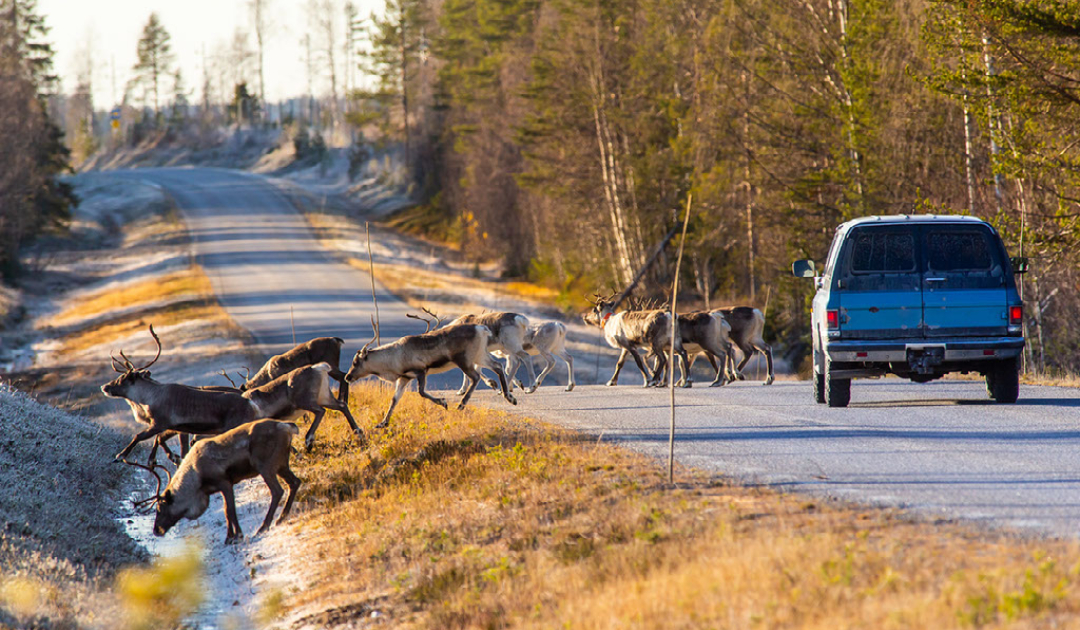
pixel 371 272
pixel 671 351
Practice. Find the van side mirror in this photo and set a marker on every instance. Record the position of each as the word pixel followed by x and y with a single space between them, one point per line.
pixel 1020 264
pixel 803 269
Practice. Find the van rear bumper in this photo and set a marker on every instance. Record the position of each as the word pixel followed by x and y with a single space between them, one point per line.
pixel 966 349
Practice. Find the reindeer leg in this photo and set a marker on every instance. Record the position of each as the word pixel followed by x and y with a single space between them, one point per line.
pixel 503 386
pixel 343 386
pixel 549 365
pixel 618 367
pixel 464 385
pixel 684 366
pixel 527 361
pixel 569 359
pixel 401 383
pixel 767 351
pixel 234 533
pixel 270 478
pixel 721 378
pixel 747 353
pixel 294 485
pixel 139 437
pixel 421 383
pixel 309 437
pixel 343 409
pixel 652 380
pixel 472 375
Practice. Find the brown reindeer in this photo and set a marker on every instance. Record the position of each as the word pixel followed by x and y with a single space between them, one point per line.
pixel 705 333
pixel 462 346
pixel 169 408
pixel 218 463
pixel 304 389
pixel 747 329
pixel 630 330
pixel 319 350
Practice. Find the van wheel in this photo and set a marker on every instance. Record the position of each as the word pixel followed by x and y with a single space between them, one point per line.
pixel 837 390
pixel 1003 381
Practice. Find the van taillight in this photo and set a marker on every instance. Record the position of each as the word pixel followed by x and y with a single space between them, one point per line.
pixel 1016 314
pixel 833 319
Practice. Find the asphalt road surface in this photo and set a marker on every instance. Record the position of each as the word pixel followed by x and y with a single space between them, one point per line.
pixel 941 448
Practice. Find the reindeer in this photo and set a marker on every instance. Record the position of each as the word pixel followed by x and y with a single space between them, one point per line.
pixel 629 330
pixel 218 463
pixel 508 332
pixel 705 333
pixel 415 356
pixel 170 408
pixel 546 339
pixel 304 389
pixel 319 350
pixel 747 327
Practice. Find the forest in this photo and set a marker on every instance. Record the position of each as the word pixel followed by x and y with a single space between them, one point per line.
pixel 567 136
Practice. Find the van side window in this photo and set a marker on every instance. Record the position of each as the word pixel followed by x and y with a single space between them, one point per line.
pixel 877 251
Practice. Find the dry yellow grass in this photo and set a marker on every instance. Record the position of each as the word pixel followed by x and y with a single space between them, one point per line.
pixel 478 519
pixel 187 282
pixel 179 297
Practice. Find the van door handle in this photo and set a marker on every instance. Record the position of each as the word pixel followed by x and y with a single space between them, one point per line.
pixel 935 279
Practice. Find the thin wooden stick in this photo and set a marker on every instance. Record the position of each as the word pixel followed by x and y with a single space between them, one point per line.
pixel 671 352
pixel 371 272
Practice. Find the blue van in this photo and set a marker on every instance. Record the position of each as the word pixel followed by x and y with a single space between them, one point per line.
pixel 918 296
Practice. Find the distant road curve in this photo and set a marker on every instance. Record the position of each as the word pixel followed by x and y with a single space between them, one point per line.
pixel 940 448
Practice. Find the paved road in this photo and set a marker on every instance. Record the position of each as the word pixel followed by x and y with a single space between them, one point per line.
pixel 941 448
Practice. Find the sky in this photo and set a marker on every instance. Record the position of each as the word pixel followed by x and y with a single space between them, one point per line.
pixel 110 31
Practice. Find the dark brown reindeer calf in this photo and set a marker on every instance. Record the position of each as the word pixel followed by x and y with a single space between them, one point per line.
pixel 216 464
pixel 303 389
pixel 319 350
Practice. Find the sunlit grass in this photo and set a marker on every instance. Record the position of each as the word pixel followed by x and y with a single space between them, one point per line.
pixel 188 282
pixel 481 519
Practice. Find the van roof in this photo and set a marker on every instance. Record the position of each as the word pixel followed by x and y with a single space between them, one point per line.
pixel 912 218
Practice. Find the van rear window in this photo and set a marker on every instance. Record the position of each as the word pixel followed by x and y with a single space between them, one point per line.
pixel 958 250
pixel 879 251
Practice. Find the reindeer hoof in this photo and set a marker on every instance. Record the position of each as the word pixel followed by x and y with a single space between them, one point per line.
pixel 687 385
pixel 511 400
pixel 360 437
pixel 768 381
pixel 460 406
pixel 740 377
pixel 612 383
pixel 717 384
pixel 570 388
pixel 383 424
pixel 530 390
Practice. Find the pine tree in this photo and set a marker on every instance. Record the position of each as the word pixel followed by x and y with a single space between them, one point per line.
pixel 155 60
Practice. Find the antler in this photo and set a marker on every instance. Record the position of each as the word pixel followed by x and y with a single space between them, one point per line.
pixel 227 378
pixel 375 329
pixel 118 366
pixel 129 366
pixel 156 356
pixel 435 322
pixel 145 505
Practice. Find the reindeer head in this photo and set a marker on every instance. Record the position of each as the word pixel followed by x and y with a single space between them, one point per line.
pixel 356 370
pixel 130 375
pixel 603 308
pixel 173 506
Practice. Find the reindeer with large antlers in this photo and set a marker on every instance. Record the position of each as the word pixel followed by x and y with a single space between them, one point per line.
pixel 462 346
pixel 173 407
pixel 630 330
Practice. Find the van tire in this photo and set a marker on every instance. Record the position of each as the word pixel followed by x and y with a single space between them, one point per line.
pixel 1003 381
pixel 818 378
pixel 837 390
pixel 819 388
